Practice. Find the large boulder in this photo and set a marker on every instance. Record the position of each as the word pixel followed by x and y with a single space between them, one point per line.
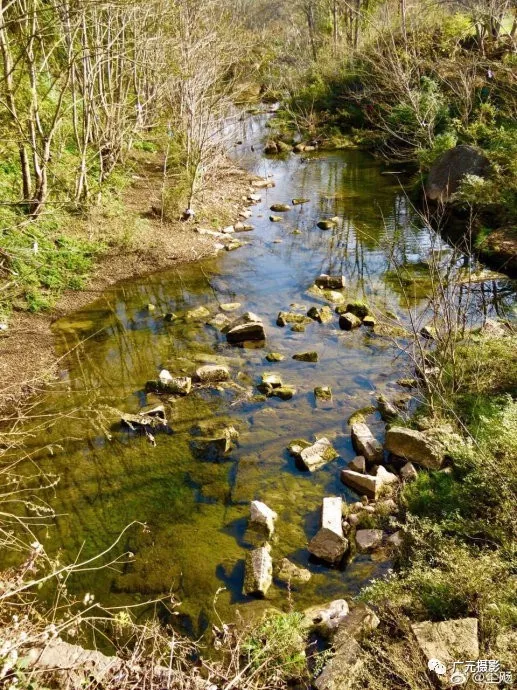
pixel 448 641
pixel 249 327
pixel 315 455
pixel 450 169
pixel 258 572
pixel 365 443
pixel 414 446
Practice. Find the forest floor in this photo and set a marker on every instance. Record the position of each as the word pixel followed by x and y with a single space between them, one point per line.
pixel 139 242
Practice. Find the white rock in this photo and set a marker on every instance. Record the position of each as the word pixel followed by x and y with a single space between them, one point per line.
pixel 263 517
pixel 332 514
pixel 365 443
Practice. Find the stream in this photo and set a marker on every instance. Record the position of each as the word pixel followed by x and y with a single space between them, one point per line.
pixel 195 511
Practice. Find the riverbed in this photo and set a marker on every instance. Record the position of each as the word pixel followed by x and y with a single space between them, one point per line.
pixel 191 541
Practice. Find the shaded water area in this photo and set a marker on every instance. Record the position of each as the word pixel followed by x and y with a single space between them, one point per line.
pixel 195 510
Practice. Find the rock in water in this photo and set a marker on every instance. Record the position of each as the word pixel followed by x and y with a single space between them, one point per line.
pixel 330 282
pixel 306 357
pixel 298 202
pixel 365 443
pixel 328 546
pixel 314 456
pixel 215 447
pixel 449 170
pixel 326 224
pixel 321 314
pixel 359 309
pixel 249 327
pixel 368 539
pixel 262 517
pixel 358 464
pixel 275 357
pixel 414 446
pixel 349 321
pixel 323 393
pixel 283 392
pixel 198 313
pixel 387 409
pixel 166 383
pixel 289 572
pixel 285 317
pixel 212 373
pixel 280 208
pixel 258 573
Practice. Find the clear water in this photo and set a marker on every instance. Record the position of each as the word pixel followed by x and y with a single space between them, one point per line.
pixel 196 511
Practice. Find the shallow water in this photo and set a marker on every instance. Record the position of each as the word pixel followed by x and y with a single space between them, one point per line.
pixel 195 511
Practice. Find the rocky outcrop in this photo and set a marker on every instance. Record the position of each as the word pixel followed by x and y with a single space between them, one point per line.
pixel 414 446
pixel 258 572
pixel 262 518
pixel 448 641
pixel 315 455
pixel 249 327
pixel 365 443
pixel 450 169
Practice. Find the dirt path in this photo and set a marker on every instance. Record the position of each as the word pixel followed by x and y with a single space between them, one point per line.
pixel 27 358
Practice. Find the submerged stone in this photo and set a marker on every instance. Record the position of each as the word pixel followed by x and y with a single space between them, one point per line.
pixel 275 219
pixel 326 224
pixel 298 328
pixel 216 447
pixel 283 392
pixel 273 380
pixel 230 306
pixel 212 373
pixel 306 357
pixel 323 392
pixel 332 296
pixel 198 313
pixel 289 572
pixel 166 383
pixel 280 208
pixel 299 201
pixel 275 357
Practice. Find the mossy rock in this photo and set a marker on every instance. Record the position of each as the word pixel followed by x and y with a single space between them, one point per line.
pixel 323 392
pixel 275 357
pixel 306 356
pixel 359 309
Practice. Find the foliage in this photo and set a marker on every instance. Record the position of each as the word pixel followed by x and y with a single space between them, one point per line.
pixel 275 650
